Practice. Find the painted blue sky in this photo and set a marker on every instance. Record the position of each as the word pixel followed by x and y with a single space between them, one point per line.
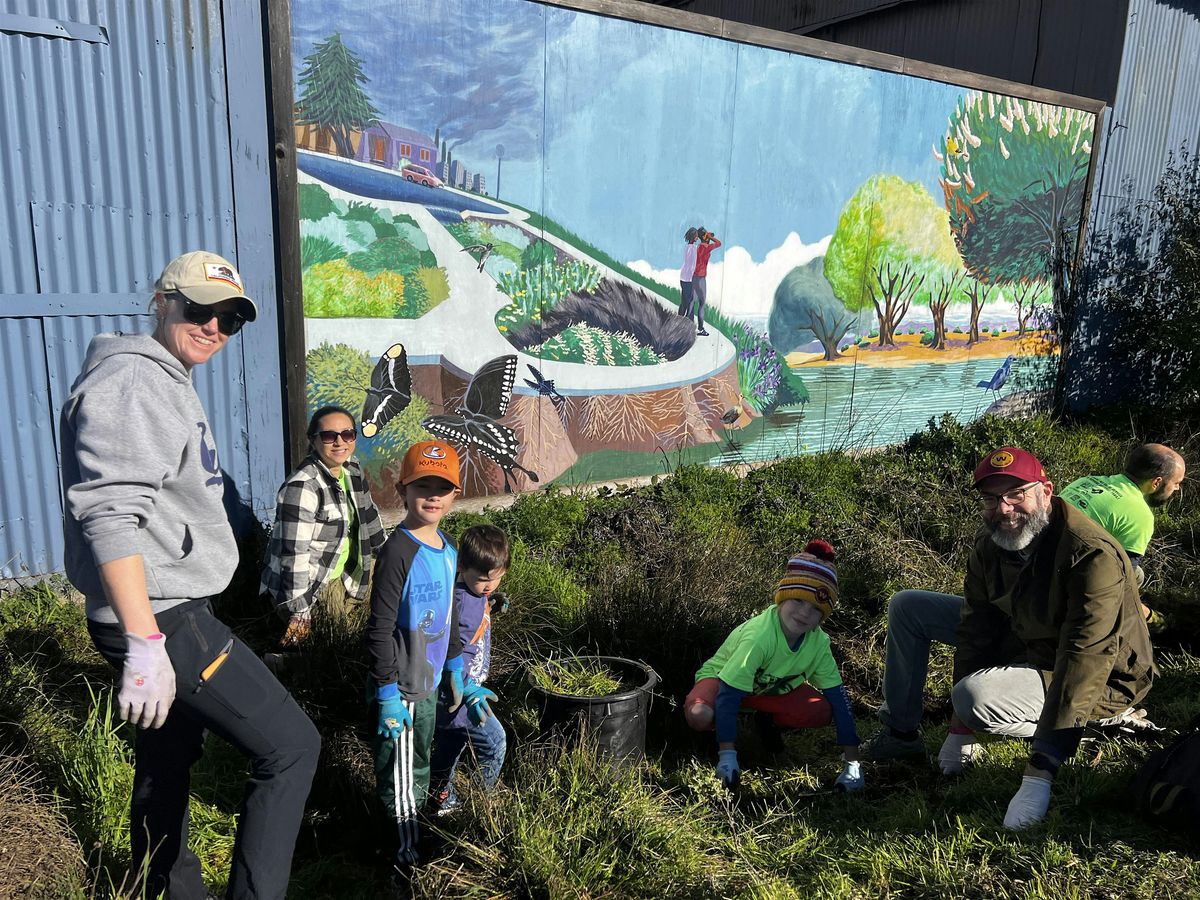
pixel 627 133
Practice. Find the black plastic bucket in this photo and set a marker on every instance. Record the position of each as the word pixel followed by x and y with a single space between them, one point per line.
pixel 616 722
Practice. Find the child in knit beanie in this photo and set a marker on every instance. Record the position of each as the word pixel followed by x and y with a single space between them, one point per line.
pixel 779 663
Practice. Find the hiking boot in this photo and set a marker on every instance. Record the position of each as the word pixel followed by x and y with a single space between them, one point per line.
pixel 884 745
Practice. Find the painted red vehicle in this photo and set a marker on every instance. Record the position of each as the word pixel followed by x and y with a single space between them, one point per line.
pixel 421 175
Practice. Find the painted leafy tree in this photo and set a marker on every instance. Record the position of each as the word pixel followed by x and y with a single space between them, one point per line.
pixel 331 94
pixel 1013 173
pixel 887 233
pixel 944 286
pixel 805 308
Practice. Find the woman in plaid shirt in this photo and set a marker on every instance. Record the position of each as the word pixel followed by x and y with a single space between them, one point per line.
pixel 327 527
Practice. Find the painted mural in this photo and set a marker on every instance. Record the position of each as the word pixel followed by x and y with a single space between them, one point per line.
pixel 581 248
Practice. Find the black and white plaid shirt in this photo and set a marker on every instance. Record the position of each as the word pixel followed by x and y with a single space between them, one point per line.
pixel 310 524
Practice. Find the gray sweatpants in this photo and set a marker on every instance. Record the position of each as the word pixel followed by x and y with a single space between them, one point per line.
pixel 1003 700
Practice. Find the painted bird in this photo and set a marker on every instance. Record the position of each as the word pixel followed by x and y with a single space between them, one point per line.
pixel 999 378
pixel 484 251
pixel 545 387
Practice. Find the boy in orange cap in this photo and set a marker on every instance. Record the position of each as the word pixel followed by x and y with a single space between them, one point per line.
pixel 413 639
pixel 779 663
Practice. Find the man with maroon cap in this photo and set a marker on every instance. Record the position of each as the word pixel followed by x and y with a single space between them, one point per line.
pixel 1048 637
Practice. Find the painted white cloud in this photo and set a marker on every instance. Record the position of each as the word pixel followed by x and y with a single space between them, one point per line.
pixel 739 286
pixel 742 288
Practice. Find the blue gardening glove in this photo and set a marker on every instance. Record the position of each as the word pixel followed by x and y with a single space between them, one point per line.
pixel 851 778
pixel 394 717
pixel 728 769
pixel 476 697
pixel 452 683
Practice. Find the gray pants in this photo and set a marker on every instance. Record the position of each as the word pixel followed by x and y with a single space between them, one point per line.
pixel 1003 700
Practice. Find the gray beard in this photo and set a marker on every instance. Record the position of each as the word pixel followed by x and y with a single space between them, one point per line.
pixel 1017 541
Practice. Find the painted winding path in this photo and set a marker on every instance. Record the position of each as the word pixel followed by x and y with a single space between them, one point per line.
pixel 460 332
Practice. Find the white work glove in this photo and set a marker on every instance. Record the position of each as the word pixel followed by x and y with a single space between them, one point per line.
pixel 1029 803
pixel 147 681
pixel 851 778
pixel 957 751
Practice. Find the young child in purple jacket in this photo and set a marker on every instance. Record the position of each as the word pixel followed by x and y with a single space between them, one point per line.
pixel 483 558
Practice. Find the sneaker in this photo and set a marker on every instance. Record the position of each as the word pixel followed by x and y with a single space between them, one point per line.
pixel 885 745
pixel 702 333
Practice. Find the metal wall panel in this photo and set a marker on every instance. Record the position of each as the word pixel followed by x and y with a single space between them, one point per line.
pixel 119 154
pixel 1157 108
pixel 30 513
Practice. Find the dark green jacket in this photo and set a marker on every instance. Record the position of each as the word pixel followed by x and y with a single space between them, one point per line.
pixel 1071 610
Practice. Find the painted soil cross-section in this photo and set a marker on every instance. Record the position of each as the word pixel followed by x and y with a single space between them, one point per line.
pixel 606 246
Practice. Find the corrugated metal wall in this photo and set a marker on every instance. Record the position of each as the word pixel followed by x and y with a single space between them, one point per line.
pixel 124 146
pixel 1157 108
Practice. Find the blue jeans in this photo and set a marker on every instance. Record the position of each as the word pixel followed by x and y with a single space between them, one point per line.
pixel 245 705
pixel 685 301
pixel 487 742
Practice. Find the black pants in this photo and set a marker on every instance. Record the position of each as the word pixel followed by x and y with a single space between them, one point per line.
pixel 244 704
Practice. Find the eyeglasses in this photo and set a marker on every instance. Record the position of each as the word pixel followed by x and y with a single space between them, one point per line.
pixel 349 436
pixel 228 323
pixel 1012 498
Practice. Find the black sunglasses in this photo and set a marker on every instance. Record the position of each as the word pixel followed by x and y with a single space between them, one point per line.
pixel 228 323
pixel 349 436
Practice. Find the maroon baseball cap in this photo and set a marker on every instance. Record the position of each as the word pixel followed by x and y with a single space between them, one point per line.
pixel 1012 461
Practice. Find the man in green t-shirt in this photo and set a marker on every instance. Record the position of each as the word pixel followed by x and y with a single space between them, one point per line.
pixel 1124 504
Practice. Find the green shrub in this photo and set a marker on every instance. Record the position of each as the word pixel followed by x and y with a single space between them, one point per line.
pixel 535 290
pixel 315 202
pixel 595 347
pixel 338 290
pixel 437 285
pixel 337 375
pixel 538 253
pixel 389 255
pixel 315 250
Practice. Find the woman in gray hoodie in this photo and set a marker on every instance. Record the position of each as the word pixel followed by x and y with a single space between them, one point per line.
pixel 148 544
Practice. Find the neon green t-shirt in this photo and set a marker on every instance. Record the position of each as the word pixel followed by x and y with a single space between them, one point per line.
pixel 1117 505
pixel 756 658
pixel 351 527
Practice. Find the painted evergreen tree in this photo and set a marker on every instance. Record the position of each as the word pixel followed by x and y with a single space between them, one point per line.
pixel 886 234
pixel 331 94
pixel 1013 173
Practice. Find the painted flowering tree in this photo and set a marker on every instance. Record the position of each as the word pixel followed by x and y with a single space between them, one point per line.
pixel 886 236
pixel 331 96
pixel 1013 176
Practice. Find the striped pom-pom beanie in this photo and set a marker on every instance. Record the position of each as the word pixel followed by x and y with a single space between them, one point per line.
pixel 811 576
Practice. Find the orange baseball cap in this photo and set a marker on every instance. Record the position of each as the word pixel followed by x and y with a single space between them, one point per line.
pixel 1014 461
pixel 430 458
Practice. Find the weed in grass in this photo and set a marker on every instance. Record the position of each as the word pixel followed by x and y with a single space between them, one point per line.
pixel 574 677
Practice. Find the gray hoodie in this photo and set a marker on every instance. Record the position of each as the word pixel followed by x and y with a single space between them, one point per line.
pixel 140 476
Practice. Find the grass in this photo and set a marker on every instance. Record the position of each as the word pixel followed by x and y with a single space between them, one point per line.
pixel 574 677
pixel 661 574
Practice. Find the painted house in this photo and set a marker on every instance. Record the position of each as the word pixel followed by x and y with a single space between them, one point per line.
pixel 394 147
pixel 313 137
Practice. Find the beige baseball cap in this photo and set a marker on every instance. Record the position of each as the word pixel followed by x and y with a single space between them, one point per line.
pixel 207 279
